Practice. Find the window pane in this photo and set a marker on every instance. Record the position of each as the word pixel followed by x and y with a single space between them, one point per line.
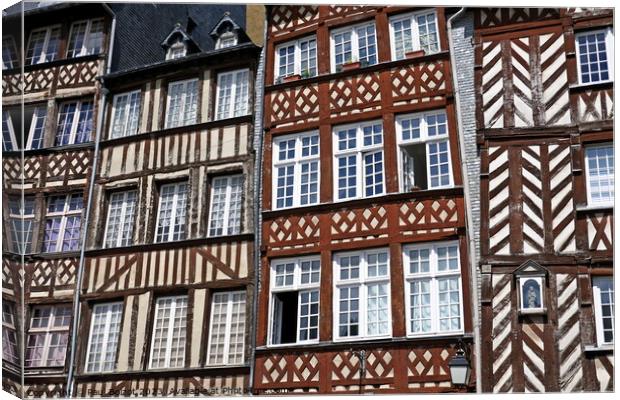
pixel 403 41
pixel 427 29
pixel 38 127
pixel 172 212
pixel 309 315
pixel 600 173
pixel 420 305
pixel 348 312
pixel 310 271
pixel 593 57
pixel 226 199
pixel 9 53
pixel 605 287
pixel 104 336
pixel 227 336
pixel 377 309
pixel 343 50
pixel 76 41
pixel 367 44
pixel 308 57
pixel 121 215
pixel 169 332
pixel 439 164
pixel 373 173
pixel 449 304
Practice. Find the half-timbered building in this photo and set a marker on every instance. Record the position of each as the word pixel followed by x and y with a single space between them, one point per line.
pixel 364 275
pixel 544 104
pixel 167 291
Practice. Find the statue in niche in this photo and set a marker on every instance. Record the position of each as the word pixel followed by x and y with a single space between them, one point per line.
pixel 531 294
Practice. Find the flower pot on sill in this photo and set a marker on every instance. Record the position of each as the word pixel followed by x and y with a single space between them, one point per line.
pixel 414 54
pixel 291 78
pixel 351 65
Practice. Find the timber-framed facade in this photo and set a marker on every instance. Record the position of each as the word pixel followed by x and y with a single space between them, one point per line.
pixel 544 116
pixel 347 229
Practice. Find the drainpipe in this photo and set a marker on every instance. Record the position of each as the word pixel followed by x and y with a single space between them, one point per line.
pixel 80 272
pixel 258 174
pixel 468 216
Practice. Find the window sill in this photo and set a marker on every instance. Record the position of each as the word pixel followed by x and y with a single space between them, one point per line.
pixel 598 207
pixel 438 335
pixel 604 348
pixel 591 85
pixel 45 150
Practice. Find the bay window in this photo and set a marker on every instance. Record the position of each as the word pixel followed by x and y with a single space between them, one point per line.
pixel 355 43
pixel 9 333
pixel 600 174
pixel 297 57
pixel 227 329
pixel 358 152
pixel 86 37
pixel 433 292
pixel 75 122
pixel 171 220
pixel 125 112
pixel 296 170
pixel 595 55
pixel 362 295
pixel 226 200
pixel 169 333
pixel 424 159
pixel 48 336
pixel 603 294
pixel 63 223
pixel 21 217
pixel 121 218
pixel 412 32
pixel 182 103
pixel 105 327
pixel 295 297
pixel 233 94
pixel 43 45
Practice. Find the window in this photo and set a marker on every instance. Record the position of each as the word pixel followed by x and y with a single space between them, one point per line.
pixel 358 151
pixel 424 151
pixel 126 109
pixel 295 288
pixel 232 94
pixel 169 332
pixel 9 53
pixel 433 296
pixel 75 123
pixel 362 294
pixel 357 43
pixel 176 50
pixel 296 58
pixel 43 45
pixel 86 37
pixel 121 219
pixel 34 127
pixel 296 170
pixel 413 32
pixel 9 333
pixel 227 329
pixel 226 39
pixel 48 336
pixel 595 56
pixel 600 174
pixel 172 212
pixel 105 327
pixel 22 221
pixel 226 197
pixel 182 103
pixel 63 223
pixel 603 292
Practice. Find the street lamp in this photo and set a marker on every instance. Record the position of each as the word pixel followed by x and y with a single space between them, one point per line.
pixel 459 368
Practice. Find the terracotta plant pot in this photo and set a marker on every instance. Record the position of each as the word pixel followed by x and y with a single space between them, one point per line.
pixel 351 65
pixel 414 54
pixel 291 78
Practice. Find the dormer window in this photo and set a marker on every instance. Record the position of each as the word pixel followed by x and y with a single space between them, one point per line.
pixel 177 50
pixel 226 39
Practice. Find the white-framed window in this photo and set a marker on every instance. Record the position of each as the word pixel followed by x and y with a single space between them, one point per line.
pixel 43 45
pixel 433 292
pixel 177 50
pixel 362 295
pixel 75 122
pixel 603 294
pixel 34 117
pixel 226 201
pixel 595 55
pixel 182 103
pixel 63 223
pixel 105 328
pixel 354 43
pixel 226 39
pixel 10 351
pixel 121 219
pixel 358 154
pixel 424 156
pixel 233 90
pixel 296 173
pixel 48 335
pixel 21 217
pixel 86 37
pixel 415 31
pixel 227 329
pixel 125 113
pixel 600 174
pixel 171 220
pixel 295 285
pixel 9 53
pixel 169 333
pixel 296 57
